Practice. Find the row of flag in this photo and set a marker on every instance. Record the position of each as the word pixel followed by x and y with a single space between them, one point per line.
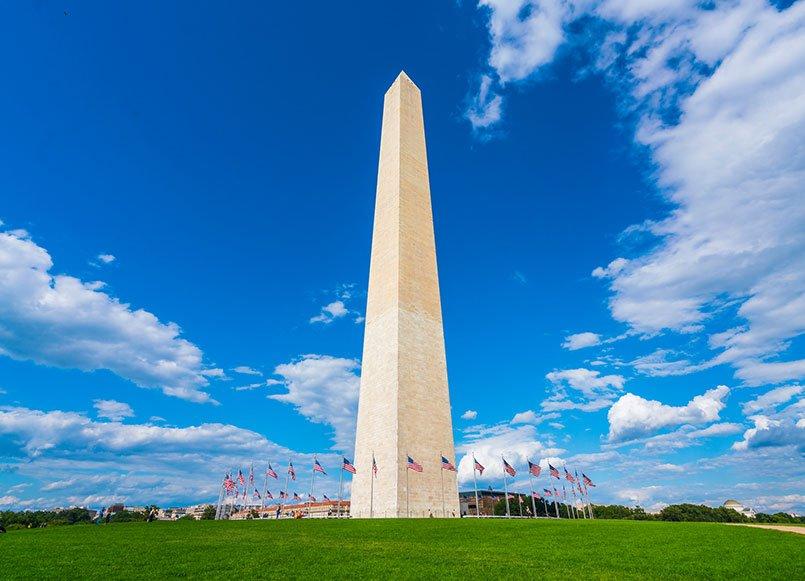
pixel 535 470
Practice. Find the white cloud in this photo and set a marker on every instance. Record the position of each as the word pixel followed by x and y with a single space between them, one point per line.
pixel 106 258
pixel 246 370
pixel 488 444
pixel 612 269
pixel 469 415
pixel 112 410
pixel 771 399
pixel 770 432
pixel 324 389
pixel 331 312
pixel 61 321
pixel 8 500
pixel 531 417
pixel 485 109
pixel 74 460
pixel 595 391
pixel 581 340
pixel 716 93
pixel 658 364
pixel 633 417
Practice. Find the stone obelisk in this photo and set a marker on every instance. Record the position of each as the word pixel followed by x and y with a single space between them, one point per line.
pixel 404 406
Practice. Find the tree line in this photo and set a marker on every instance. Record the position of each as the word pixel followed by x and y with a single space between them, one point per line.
pixel 674 512
pixel 72 516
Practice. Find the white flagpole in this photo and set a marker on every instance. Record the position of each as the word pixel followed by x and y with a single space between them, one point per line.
pixel 218 506
pixel 555 499
pixel 506 489
pixel 564 497
pixel 265 488
pixel 589 504
pixel 531 485
pixel 340 480
pixel 287 476
pixel 372 488
pixel 312 481
pixel 441 475
pixel 407 488
pixel 475 481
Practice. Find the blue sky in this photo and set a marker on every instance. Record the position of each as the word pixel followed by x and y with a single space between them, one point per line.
pixel 187 210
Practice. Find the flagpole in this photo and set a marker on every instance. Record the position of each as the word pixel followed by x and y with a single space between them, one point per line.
pixel 407 487
pixel 555 502
pixel 265 488
pixel 506 489
pixel 475 482
pixel 531 485
pixel 340 481
pixel 287 475
pixel 564 497
pixel 372 488
pixel 312 481
pixel 589 504
pixel 441 476
pixel 520 502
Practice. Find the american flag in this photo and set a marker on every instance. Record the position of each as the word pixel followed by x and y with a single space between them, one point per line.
pixel 312 498
pixel 325 497
pixel 547 492
pixel 446 465
pixel 348 466
pixel 374 467
pixel 296 496
pixel 283 494
pixel 569 477
pixel 587 481
pixel 229 484
pixel 509 468
pixel 291 471
pixel 256 494
pixel 269 495
pixel 534 469
pixel 251 475
pixel 270 472
pixel 413 465
pixel 536 494
pixel 478 466
pixel 317 467
pixel 554 471
pixel 241 479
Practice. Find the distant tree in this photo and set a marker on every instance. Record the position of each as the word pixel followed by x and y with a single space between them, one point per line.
pixel 208 513
pixel 128 516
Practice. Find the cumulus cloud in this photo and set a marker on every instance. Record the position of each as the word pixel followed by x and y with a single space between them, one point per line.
pixel 581 389
pixel 61 321
pixel 106 258
pixel 581 340
pixel 489 443
pixel 770 432
pixel 633 417
pixel 469 415
pixel 324 389
pixel 112 410
pixel 78 461
pixel 715 92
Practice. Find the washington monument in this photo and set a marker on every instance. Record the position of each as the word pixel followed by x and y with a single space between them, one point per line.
pixel 404 406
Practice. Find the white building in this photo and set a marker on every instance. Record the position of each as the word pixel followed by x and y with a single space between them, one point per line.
pixel 738 507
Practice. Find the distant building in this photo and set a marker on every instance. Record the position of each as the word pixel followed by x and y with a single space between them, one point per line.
pixel 738 507
pixel 326 509
pixel 487 499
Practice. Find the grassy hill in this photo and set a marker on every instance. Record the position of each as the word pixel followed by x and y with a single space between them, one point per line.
pixel 400 548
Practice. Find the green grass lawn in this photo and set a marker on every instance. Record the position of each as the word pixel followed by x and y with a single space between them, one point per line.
pixel 404 548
